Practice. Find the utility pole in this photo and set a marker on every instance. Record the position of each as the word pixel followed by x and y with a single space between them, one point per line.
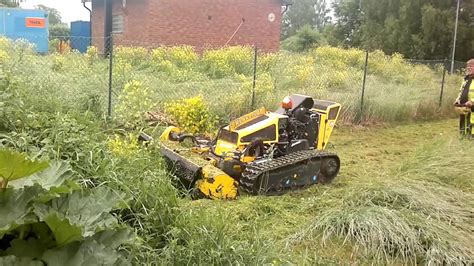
pixel 455 36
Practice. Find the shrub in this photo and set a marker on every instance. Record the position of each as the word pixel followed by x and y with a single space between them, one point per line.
pixel 122 73
pixel 339 58
pixel 264 94
pixel 3 57
pixel 179 63
pixel 58 62
pixel 179 56
pixel 182 56
pixel 192 115
pixel 133 103
pixel 228 61
pixel 11 105
pixel 92 54
pixel 132 55
pixel 125 147
pixel 5 44
pixel 304 39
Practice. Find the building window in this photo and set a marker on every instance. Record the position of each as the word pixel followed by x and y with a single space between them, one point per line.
pixel 117 24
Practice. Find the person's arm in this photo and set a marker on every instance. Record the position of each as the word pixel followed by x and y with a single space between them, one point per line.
pixel 458 99
pixel 465 92
pixel 470 96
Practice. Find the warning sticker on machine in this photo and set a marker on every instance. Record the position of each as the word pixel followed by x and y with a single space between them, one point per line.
pixel 246 118
pixel 35 22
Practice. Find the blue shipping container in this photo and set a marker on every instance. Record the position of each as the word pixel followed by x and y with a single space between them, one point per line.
pixel 28 24
pixel 80 35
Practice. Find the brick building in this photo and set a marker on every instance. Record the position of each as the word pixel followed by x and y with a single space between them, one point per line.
pixel 199 23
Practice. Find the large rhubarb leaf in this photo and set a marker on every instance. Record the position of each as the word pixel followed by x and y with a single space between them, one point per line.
pixel 56 179
pixel 14 165
pixel 113 239
pixel 54 176
pixel 15 261
pixel 88 252
pixel 31 248
pixel 81 214
pixel 16 208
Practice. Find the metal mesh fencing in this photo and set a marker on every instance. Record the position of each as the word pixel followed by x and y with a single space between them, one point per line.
pixel 235 80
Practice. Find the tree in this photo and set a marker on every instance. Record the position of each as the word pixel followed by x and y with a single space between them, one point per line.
pixel 418 29
pixel 305 12
pixel 9 3
pixel 53 14
pixel 59 31
pixel 348 23
pixel 304 39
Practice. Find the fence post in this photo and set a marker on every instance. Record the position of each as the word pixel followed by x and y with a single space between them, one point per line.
pixel 254 75
pixel 111 61
pixel 442 84
pixel 364 81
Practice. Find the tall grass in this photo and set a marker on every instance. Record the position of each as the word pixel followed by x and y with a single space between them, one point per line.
pixel 419 213
pixel 396 90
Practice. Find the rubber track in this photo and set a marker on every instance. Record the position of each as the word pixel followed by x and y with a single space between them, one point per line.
pixel 253 171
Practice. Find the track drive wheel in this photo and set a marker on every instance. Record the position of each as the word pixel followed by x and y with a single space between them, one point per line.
pixel 196 194
pixel 329 169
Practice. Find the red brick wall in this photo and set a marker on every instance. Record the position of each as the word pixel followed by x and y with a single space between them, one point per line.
pixel 134 25
pixel 199 23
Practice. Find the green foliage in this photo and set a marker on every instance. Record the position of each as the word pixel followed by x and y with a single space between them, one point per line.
pixel 304 39
pixel 192 114
pixel 133 103
pixel 59 31
pixel 178 63
pixel 180 56
pixel 126 147
pixel 207 227
pixel 54 16
pixel 131 55
pixel 11 106
pixel 416 29
pixel 314 13
pixel 46 218
pixel 15 165
pixel 58 62
pixel 10 3
pixel 92 54
pixel 227 62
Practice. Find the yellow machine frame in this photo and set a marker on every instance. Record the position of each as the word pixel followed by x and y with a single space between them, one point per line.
pixel 215 183
pixel 328 119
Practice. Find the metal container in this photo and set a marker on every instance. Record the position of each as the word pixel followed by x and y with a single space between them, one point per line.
pixel 80 35
pixel 27 24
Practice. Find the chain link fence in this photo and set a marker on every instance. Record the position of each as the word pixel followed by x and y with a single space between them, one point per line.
pixel 371 86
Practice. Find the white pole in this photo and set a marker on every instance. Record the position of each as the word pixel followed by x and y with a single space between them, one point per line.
pixel 455 36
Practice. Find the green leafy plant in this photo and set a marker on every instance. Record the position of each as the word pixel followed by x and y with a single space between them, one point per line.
pixel 14 166
pixel 228 61
pixel 192 114
pixel 133 104
pixel 47 218
pixel 304 39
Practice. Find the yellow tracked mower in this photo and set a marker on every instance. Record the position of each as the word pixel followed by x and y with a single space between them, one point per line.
pixel 263 152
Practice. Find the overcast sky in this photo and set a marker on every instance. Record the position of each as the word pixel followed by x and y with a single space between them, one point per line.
pixel 71 10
